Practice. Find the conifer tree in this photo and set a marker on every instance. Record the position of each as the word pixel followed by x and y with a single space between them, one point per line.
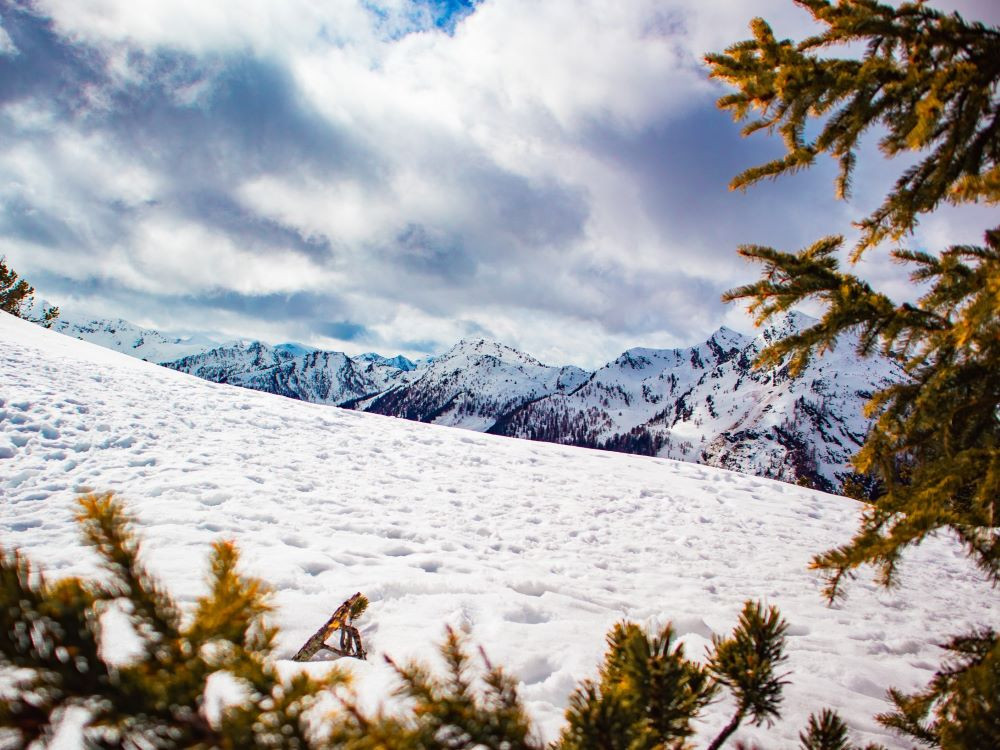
pixel 649 692
pixel 928 82
pixel 828 732
pixel 746 662
pixel 17 294
pixel 647 695
pixel 52 652
pixel 464 710
pixel 961 706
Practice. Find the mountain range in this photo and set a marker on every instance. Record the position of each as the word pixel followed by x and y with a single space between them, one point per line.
pixel 705 403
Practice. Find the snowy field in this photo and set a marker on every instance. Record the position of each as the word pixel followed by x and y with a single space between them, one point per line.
pixel 534 549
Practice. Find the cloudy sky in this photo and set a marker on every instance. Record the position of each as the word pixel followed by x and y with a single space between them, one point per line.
pixel 394 175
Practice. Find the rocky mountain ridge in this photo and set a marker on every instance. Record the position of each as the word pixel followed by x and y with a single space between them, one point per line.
pixel 708 404
pixel 704 403
pixel 322 377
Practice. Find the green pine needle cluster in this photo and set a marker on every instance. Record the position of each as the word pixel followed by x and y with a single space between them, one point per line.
pixel 466 708
pixel 646 697
pixel 647 694
pixel 358 607
pixel 935 446
pixel 926 78
pixel 961 706
pixel 929 82
pixel 745 663
pixel 828 732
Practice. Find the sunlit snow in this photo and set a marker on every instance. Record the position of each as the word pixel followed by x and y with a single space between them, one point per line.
pixel 533 549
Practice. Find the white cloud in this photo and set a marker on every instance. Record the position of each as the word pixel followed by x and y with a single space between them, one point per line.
pixel 206 27
pixel 7 46
pixel 165 255
pixel 500 178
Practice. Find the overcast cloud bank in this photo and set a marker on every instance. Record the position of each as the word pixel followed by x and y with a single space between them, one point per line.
pixel 395 175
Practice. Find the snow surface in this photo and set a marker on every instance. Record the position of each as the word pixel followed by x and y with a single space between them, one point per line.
pixel 534 549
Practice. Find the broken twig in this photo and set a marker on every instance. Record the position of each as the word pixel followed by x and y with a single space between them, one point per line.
pixel 342 620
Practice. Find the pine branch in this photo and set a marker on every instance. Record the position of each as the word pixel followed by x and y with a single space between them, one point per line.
pixel 746 663
pixel 927 78
pixel 107 528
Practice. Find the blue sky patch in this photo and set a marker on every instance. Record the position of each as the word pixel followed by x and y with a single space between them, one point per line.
pixel 447 13
pixel 424 15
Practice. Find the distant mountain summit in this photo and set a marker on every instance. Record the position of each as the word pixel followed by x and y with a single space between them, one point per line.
pixel 322 377
pixel 710 405
pixel 609 409
pixel 399 361
pixel 473 385
pixel 704 403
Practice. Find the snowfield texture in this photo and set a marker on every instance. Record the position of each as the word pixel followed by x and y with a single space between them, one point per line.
pixel 533 549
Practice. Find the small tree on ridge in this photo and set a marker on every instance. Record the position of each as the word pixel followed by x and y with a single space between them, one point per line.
pixel 16 294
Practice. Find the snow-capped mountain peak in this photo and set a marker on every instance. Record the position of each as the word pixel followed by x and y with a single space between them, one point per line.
pixel 727 338
pixel 126 337
pixel 708 403
pixel 314 375
pixel 785 324
pixel 473 348
pixel 473 384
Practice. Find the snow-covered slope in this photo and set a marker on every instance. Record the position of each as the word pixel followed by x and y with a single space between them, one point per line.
pixel 534 549
pixel 472 385
pixel 708 404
